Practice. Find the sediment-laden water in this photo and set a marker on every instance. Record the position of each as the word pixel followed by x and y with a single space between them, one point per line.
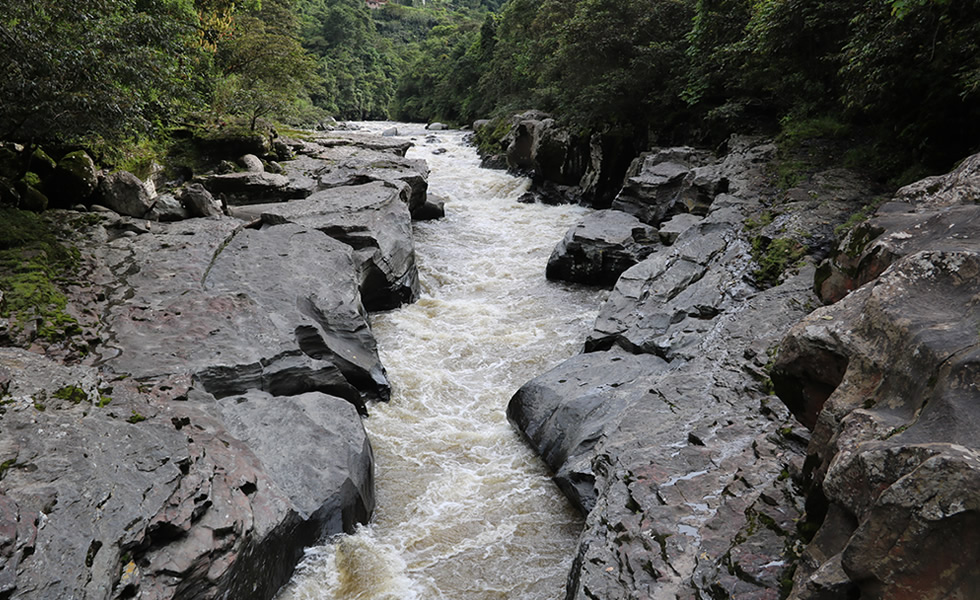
pixel 465 510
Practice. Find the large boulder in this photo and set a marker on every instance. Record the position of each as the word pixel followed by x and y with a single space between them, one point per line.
pixel 937 213
pixel 600 247
pixel 110 489
pixel 680 466
pixel 199 301
pixel 346 166
pixel 167 208
pixel 125 193
pixel 666 303
pixel 886 379
pixel 666 181
pixel 373 219
pixel 252 187
pixel 199 202
pixel 74 180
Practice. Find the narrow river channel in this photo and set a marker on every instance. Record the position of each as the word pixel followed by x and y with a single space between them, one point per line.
pixel 465 510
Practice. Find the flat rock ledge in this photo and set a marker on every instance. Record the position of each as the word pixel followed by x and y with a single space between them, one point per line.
pixel 696 481
pixel 213 431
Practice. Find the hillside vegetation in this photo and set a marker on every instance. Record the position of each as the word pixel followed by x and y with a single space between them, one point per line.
pixel 899 76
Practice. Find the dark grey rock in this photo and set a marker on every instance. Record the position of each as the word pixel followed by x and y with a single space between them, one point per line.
pixel 167 208
pixel 74 180
pixel 600 247
pixel 388 145
pixel 373 219
pixel 665 433
pixel 344 167
pixel 136 495
pixel 431 210
pixel 667 181
pixel 251 188
pixel 199 202
pixel 196 298
pixel 672 228
pixel 125 193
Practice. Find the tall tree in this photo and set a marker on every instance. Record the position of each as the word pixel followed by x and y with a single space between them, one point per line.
pixel 106 68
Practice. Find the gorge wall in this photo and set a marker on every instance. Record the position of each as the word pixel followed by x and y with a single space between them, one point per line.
pixel 695 479
pixel 213 429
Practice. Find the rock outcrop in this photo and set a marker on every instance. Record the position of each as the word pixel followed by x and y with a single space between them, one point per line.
pixel 564 167
pixel 211 431
pixel 887 379
pixel 665 432
pixel 600 247
pixel 668 440
pixel 109 491
pixel 374 220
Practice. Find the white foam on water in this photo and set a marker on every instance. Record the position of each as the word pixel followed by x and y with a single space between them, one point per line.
pixel 465 510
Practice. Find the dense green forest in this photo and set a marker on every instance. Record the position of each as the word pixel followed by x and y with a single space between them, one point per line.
pixel 902 76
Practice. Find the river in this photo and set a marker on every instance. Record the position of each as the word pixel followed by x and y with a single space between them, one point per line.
pixel 466 511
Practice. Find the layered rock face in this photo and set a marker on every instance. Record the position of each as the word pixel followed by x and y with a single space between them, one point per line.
pixel 213 432
pixel 695 480
pixel 664 433
pixel 564 167
pixel 887 379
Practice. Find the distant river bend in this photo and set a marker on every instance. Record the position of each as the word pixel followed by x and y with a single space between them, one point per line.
pixel 465 510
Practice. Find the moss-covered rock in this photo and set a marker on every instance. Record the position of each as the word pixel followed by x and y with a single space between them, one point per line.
pixel 9 163
pixel 32 263
pixel 33 199
pixel 42 164
pixel 74 179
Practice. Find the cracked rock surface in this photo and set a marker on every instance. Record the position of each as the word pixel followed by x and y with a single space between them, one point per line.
pixel 213 430
pixel 887 378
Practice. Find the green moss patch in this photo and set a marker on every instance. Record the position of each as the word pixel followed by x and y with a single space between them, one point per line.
pixel 774 258
pixel 33 266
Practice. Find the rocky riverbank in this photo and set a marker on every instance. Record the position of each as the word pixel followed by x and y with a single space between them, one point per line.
pixel 211 431
pixel 722 437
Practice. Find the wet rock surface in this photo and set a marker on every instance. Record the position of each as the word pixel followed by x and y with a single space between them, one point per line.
pixel 695 480
pixel 887 380
pixel 212 430
pixel 374 220
pixel 664 433
pixel 602 246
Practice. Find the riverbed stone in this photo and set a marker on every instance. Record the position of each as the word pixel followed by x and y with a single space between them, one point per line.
pixel 122 492
pixel 373 219
pixel 125 193
pixel 664 433
pixel 600 247
pixel 196 298
pixel 199 202
pixel 167 208
pixel 251 187
pixel 343 167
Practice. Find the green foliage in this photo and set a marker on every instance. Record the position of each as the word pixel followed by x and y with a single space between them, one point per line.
pixel 264 69
pixel 774 257
pixel 71 393
pixel 488 138
pixel 106 68
pixel 135 417
pixel 33 264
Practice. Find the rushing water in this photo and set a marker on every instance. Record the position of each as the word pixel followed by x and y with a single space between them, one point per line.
pixel 465 510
